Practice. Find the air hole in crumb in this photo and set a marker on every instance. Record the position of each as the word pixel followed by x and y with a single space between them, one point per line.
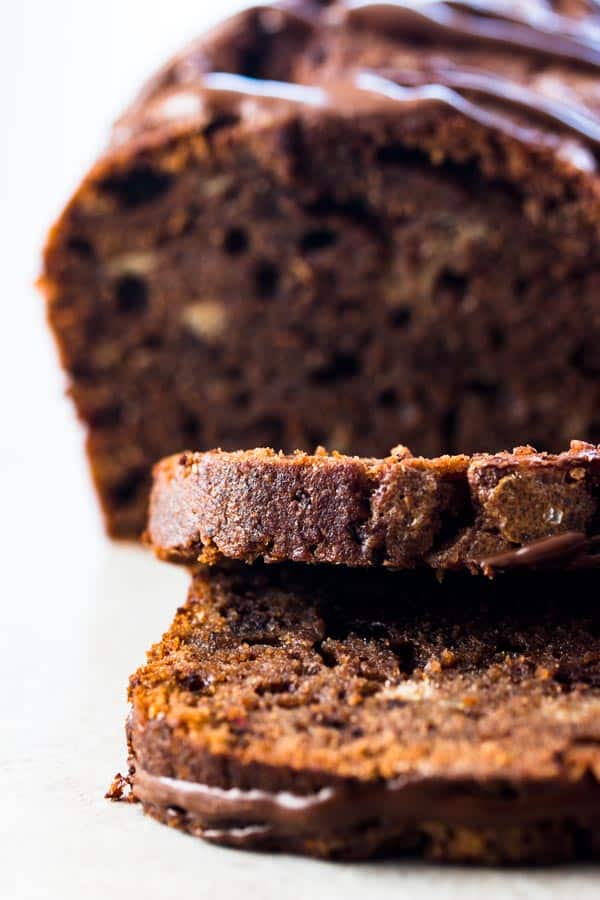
pixel 487 389
pixel 138 187
pixel 507 791
pixel 388 398
pixel 354 208
pixel 132 294
pixel 394 154
pixel 272 430
pixel 219 123
pixel 593 432
pixel 275 687
pixel 266 279
pixel 521 286
pixel 263 640
pixel 153 342
pixel 192 683
pixel 572 672
pixel 505 645
pixel 106 418
pixel 406 655
pixel 394 703
pixel 319 239
pixel 190 428
pixel 82 369
pixel 129 487
pixel 81 247
pixel 236 241
pixel 538 440
pixel 400 317
pixel 356 532
pixel 334 721
pixel 339 367
pixel 449 430
pixel 241 399
pixel 497 338
pixel 315 438
pixel 586 359
pixel 326 655
pixel 453 523
pixel 452 283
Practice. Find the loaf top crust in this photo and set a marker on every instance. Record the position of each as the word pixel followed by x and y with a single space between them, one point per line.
pixel 507 85
pixel 488 512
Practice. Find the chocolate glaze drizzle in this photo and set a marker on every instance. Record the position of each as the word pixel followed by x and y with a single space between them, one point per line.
pixel 573 548
pixel 523 27
pixel 484 22
pixel 244 815
pixel 576 119
pixel 370 92
pixel 444 91
pixel 229 90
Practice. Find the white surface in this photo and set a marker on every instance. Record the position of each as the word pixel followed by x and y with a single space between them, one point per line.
pixel 77 612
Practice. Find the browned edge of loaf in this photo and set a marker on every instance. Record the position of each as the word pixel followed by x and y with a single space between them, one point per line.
pixel 452 512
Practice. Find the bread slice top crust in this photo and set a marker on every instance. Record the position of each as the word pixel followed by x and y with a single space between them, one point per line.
pixel 487 512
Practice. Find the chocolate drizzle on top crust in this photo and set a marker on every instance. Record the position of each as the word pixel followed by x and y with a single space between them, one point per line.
pixel 227 90
pixel 225 93
pixel 510 95
pixel 439 83
pixel 488 22
pixel 576 119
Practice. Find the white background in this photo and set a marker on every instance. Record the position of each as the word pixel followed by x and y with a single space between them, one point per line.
pixel 78 612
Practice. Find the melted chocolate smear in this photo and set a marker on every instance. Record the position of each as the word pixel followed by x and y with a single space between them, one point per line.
pixel 369 92
pixel 573 120
pixel 573 549
pixel 335 808
pixel 525 29
pixel 576 119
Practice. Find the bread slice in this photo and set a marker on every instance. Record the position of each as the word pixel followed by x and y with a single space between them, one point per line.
pixel 486 512
pixel 346 713
pixel 325 223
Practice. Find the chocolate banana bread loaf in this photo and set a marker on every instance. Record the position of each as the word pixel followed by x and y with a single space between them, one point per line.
pixel 486 512
pixel 326 223
pixel 348 713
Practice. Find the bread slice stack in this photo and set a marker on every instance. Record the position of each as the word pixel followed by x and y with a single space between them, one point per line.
pixel 325 691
